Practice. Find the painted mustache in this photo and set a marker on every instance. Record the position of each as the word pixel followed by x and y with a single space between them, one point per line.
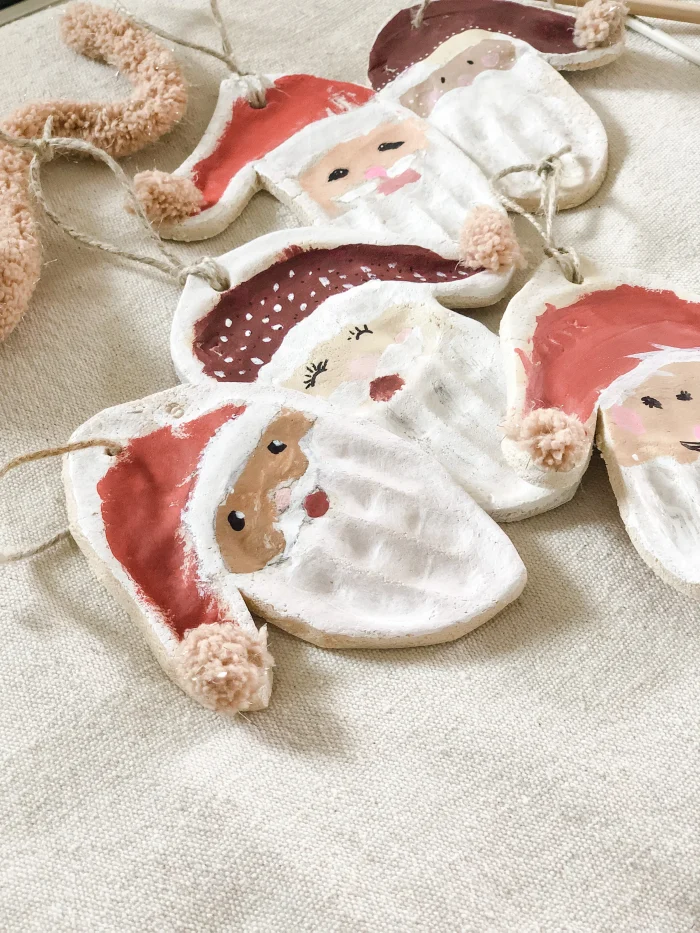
pixel 384 182
pixel 691 445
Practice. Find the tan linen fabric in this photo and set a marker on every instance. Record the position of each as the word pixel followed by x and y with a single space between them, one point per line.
pixel 541 775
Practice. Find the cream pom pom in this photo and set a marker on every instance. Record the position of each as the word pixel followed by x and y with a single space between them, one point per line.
pixel 599 22
pixel 554 440
pixel 221 665
pixel 167 198
pixel 488 241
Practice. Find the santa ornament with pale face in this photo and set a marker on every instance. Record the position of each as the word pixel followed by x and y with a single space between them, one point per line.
pixel 218 501
pixel 620 353
pixel 364 325
pixel 483 72
pixel 334 153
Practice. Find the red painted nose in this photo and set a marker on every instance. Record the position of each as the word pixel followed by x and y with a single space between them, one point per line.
pixel 316 504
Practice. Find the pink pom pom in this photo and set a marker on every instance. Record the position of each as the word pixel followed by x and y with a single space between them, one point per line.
pixel 554 440
pixel 599 22
pixel 167 198
pixel 488 241
pixel 221 665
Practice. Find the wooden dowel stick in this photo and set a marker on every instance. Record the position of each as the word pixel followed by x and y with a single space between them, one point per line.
pixel 682 11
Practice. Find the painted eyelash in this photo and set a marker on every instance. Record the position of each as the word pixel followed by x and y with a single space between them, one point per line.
pixel 651 402
pixel 313 371
pixel 357 333
pixel 384 147
pixel 684 396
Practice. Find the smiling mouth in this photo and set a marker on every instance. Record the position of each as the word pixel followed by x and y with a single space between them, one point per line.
pixel 401 173
pixel 691 445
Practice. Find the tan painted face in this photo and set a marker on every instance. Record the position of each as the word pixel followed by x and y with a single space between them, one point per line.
pixel 661 418
pixel 353 355
pixel 246 521
pixel 487 55
pixel 377 164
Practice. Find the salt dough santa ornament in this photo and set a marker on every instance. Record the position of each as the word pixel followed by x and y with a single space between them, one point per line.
pixel 333 153
pixel 226 500
pixel 363 325
pixel 620 352
pixel 473 70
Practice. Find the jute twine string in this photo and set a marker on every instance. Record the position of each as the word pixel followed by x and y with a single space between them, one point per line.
pixel 548 171
pixel 48 146
pixel 111 447
pixel 417 18
pixel 255 84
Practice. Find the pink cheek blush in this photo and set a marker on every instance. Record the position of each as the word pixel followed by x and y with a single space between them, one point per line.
pixel 364 367
pixel 403 335
pixel 696 432
pixel 627 419
pixel 433 97
pixel 490 60
pixel 375 171
pixel 282 498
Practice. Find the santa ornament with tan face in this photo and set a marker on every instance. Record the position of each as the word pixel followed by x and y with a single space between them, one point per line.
pixel 472 68
pixel 363 325
pixel 219 501
pixel 333 152
pixel 622 353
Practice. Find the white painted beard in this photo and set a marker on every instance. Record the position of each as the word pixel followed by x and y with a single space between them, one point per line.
pixel 510 118
pixel 400 553
pixel 429 211
pixel 661 510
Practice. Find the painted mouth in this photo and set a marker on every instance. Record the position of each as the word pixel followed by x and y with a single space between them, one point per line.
pixel 401 173
pixel 390 185
pixel 691 445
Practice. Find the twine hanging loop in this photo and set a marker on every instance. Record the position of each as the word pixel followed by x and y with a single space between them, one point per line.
pixel 548 170
pixel 47 147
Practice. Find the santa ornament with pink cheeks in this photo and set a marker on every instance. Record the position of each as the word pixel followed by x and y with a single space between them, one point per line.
pixel 334 153
pixel 364 326
pixel 216 501
pixel 620 352
pixel 473 69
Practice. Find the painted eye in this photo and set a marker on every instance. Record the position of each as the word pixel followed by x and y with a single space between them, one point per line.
pixel 684 396
pixel 384 147
pixel 338 173
pixel 276 447
pixel 442 80
pixel 236 520
pixel 469 61
pixel 651 402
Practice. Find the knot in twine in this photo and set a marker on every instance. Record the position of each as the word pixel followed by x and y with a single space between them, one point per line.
pixel 548 170
pixel 45 148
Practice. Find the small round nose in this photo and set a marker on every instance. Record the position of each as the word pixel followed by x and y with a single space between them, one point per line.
pixel 375 171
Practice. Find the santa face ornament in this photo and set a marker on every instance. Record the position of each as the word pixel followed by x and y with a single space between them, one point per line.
pixel 334 153
pixel 229 499
pixel 492 93
pixel 362 326
pixel 620 351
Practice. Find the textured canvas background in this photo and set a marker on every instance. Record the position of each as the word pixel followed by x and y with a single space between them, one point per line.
pixel 539 776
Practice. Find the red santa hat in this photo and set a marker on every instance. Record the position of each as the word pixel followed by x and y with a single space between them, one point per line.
pixel 144 495
pixel 239 135
pixel 561 37
pixel 579 350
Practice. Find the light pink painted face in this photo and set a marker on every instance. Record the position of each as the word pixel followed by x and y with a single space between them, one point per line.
pixel 355 353
pixel 377 164
pixel 660 419
pixel 487 55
